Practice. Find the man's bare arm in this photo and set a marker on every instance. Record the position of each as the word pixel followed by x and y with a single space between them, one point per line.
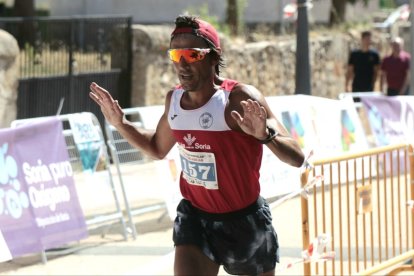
pixel 406 83
pixel 251 114
pixel 375 76
pixel 155 143
pixel 348 78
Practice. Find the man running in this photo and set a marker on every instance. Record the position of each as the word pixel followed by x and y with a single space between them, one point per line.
pixel 220 127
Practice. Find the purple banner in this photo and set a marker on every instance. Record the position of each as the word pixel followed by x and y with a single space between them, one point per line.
pixel 39 207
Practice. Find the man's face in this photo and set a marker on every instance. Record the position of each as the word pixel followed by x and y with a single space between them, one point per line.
pixel 396 46
pixel 366 41
pixel 193 76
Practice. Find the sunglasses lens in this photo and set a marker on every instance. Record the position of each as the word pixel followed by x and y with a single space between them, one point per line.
pixel 175 54
pixel 190 55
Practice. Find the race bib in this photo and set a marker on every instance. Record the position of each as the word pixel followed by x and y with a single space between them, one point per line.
pixel 199 168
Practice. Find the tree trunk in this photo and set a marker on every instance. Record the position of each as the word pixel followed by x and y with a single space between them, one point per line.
pixel 337 13
pixel 25 8
pixel 232 17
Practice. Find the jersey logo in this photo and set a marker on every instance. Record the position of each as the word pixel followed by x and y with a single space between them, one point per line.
pixel 189 139
pixel 206 120
pixel 173 117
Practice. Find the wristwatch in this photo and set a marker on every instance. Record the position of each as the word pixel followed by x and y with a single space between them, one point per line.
pixel 272 134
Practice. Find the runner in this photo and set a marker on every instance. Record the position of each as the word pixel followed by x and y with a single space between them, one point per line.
pixel 220 129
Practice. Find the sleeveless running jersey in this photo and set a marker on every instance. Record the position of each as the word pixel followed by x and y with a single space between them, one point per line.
pixel 220 167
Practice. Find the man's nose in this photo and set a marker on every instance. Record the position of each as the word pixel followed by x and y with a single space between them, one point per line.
pixel 183 62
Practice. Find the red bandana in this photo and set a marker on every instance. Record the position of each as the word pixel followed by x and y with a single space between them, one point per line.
pixel 205 30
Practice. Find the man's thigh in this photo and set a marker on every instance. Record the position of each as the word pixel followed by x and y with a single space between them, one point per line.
pixel 190 260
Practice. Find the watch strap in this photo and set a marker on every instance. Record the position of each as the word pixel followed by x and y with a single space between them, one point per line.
pixel 272 134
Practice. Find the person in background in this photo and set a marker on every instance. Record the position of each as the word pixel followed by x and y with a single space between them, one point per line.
pixel 395 70
pixel 363 67
pixel 220 127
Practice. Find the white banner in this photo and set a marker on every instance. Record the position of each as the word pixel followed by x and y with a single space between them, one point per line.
pixel 391 118
pixel 328 127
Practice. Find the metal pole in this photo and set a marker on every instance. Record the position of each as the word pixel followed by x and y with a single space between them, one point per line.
pixel 411 92
pixel 303 83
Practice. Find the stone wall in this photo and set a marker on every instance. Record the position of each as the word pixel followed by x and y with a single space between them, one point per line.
pixel 9 76
pixel 268 65
pixel 152 73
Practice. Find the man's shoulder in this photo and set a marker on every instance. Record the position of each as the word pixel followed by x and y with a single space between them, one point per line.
pixel 236 87
pixel 241 87
pixel 406 55
pixel 243 91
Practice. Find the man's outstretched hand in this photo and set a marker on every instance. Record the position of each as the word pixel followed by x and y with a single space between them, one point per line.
pixel 110 108
pixel 254 118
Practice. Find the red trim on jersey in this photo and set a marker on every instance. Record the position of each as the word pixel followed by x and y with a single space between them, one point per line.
pixel 228 84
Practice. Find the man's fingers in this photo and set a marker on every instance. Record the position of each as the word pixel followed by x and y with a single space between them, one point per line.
pixel 247 106
pixel 262 112
pixel 100 93
pixel 253 107
pixel 236 116
pixel 117 105
pixel 96 93
pixel 95 98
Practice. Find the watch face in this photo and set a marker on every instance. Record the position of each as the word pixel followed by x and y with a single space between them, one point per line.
pixel 272 134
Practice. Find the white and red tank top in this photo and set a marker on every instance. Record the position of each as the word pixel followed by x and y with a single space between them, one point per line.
pixel 220 167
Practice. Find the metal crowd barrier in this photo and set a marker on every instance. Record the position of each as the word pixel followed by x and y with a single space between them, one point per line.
pixel 363 203
pixel 96 219
pixel 124 154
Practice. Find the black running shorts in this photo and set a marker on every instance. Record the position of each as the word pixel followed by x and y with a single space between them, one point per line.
pixel 244 242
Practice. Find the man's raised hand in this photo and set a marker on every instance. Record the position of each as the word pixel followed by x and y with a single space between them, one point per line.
pixel 254 118
pixel 110 108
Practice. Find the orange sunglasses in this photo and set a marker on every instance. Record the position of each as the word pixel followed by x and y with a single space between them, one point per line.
pixel 190 55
